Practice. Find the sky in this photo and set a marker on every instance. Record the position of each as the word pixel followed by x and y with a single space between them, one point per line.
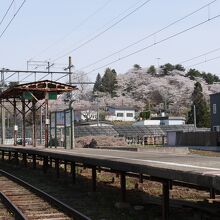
pixel 53 30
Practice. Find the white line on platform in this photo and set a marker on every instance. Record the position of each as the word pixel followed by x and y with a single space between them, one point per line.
pixel 154 161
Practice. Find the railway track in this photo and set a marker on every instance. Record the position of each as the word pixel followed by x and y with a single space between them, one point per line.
pixel 5 214
pixel 29 203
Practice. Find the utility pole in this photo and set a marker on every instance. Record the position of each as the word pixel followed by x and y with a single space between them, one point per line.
pixel 48 68
pixel 70 66
pixel 2 109
pixel 194 116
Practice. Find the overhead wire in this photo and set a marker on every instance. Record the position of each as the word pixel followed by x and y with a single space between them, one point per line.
pixel 104 31
pixel 201 55
pixel 3 18
pixel 155 43
pixel 149 35
pixel 74 29
pixel 7 26
pixel 205 61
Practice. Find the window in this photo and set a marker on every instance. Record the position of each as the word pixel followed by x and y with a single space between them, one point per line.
pixel 120 114
pixel 216 128
pixel 130 115
pixel 214 108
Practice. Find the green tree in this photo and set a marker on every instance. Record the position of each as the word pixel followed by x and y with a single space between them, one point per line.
pixel 137 66
pixel 151 70
pixel 144 115
pixel 98 84
pixel 202 110
pixel 109 82
pixel 179 67
pixel 210 78
pixel 192 73
pixel 166 68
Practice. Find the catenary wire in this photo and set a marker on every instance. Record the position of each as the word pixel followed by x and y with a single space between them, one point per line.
pixel 205 61
pixel 104 25
pixel 201 55
pixel 3 18
pixel 148 36
pixel 12 19
pixel 155 43
pixel 102 32
pixel 73 30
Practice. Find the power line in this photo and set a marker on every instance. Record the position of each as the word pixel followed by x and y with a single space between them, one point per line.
pixel 104 25
pixel 74 29
pixel 148 36
pixel 12 18
pixel 102 32
pixel 155 43
pixel 6 12
pixel 201 55
pixel 205 61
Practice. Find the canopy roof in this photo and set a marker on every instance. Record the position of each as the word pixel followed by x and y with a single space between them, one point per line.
pixel 38 89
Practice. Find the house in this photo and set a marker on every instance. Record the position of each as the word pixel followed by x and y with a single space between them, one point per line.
pixel 162 120
pixel 215 111
pixel 120 113
pixel 85 114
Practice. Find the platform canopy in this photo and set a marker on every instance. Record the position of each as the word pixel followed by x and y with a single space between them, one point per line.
pixel 36 89
pixel 28 95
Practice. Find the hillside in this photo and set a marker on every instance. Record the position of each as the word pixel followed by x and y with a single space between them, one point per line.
pixel 158 92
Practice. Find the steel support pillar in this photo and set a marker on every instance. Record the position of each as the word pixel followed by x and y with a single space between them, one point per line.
pixel 73 171
pixel 3 155
pixel 23 123
pixel 15 126
pixel 46 121
pixel 25 159
pixel 212 193
pixel 140 178
pixel 165 200
pixel 34 123
pixel 9 155
pixel 16 158
pixel 3 122
pixel 65 166
pixel 93 178
pixel 57 167
pixel 123 186
pixel 34 161
pixel 45 164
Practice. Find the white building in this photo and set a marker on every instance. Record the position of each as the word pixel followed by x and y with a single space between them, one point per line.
pixel 166 120
pixel 120 113
pixel 85 115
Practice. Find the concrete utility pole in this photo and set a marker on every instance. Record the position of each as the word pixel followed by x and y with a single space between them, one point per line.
pixel 2 109
pixel 194 116
pixel 71 102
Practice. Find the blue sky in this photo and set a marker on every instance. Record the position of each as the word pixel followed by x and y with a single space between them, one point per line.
pixel 42 23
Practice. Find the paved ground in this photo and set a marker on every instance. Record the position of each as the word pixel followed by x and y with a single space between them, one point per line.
pixel 195 169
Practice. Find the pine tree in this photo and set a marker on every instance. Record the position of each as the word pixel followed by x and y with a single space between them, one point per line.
pixel 98 84
pixel 151 70
pixel 202 110
pixel 109 82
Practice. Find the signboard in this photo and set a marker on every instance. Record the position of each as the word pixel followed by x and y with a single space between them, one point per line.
pixel 68 118
pixel 60 118
pixel 27 95
pixel 52 95
pixel 53 118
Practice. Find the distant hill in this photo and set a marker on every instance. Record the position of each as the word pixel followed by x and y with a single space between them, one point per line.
pixel 158 92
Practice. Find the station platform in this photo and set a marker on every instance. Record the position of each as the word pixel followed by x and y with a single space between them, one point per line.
pixel 194 169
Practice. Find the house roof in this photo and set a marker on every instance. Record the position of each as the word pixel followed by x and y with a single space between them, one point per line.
pixel 168 118
pixel 121 107
pixel 215 94
pixel 38 89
